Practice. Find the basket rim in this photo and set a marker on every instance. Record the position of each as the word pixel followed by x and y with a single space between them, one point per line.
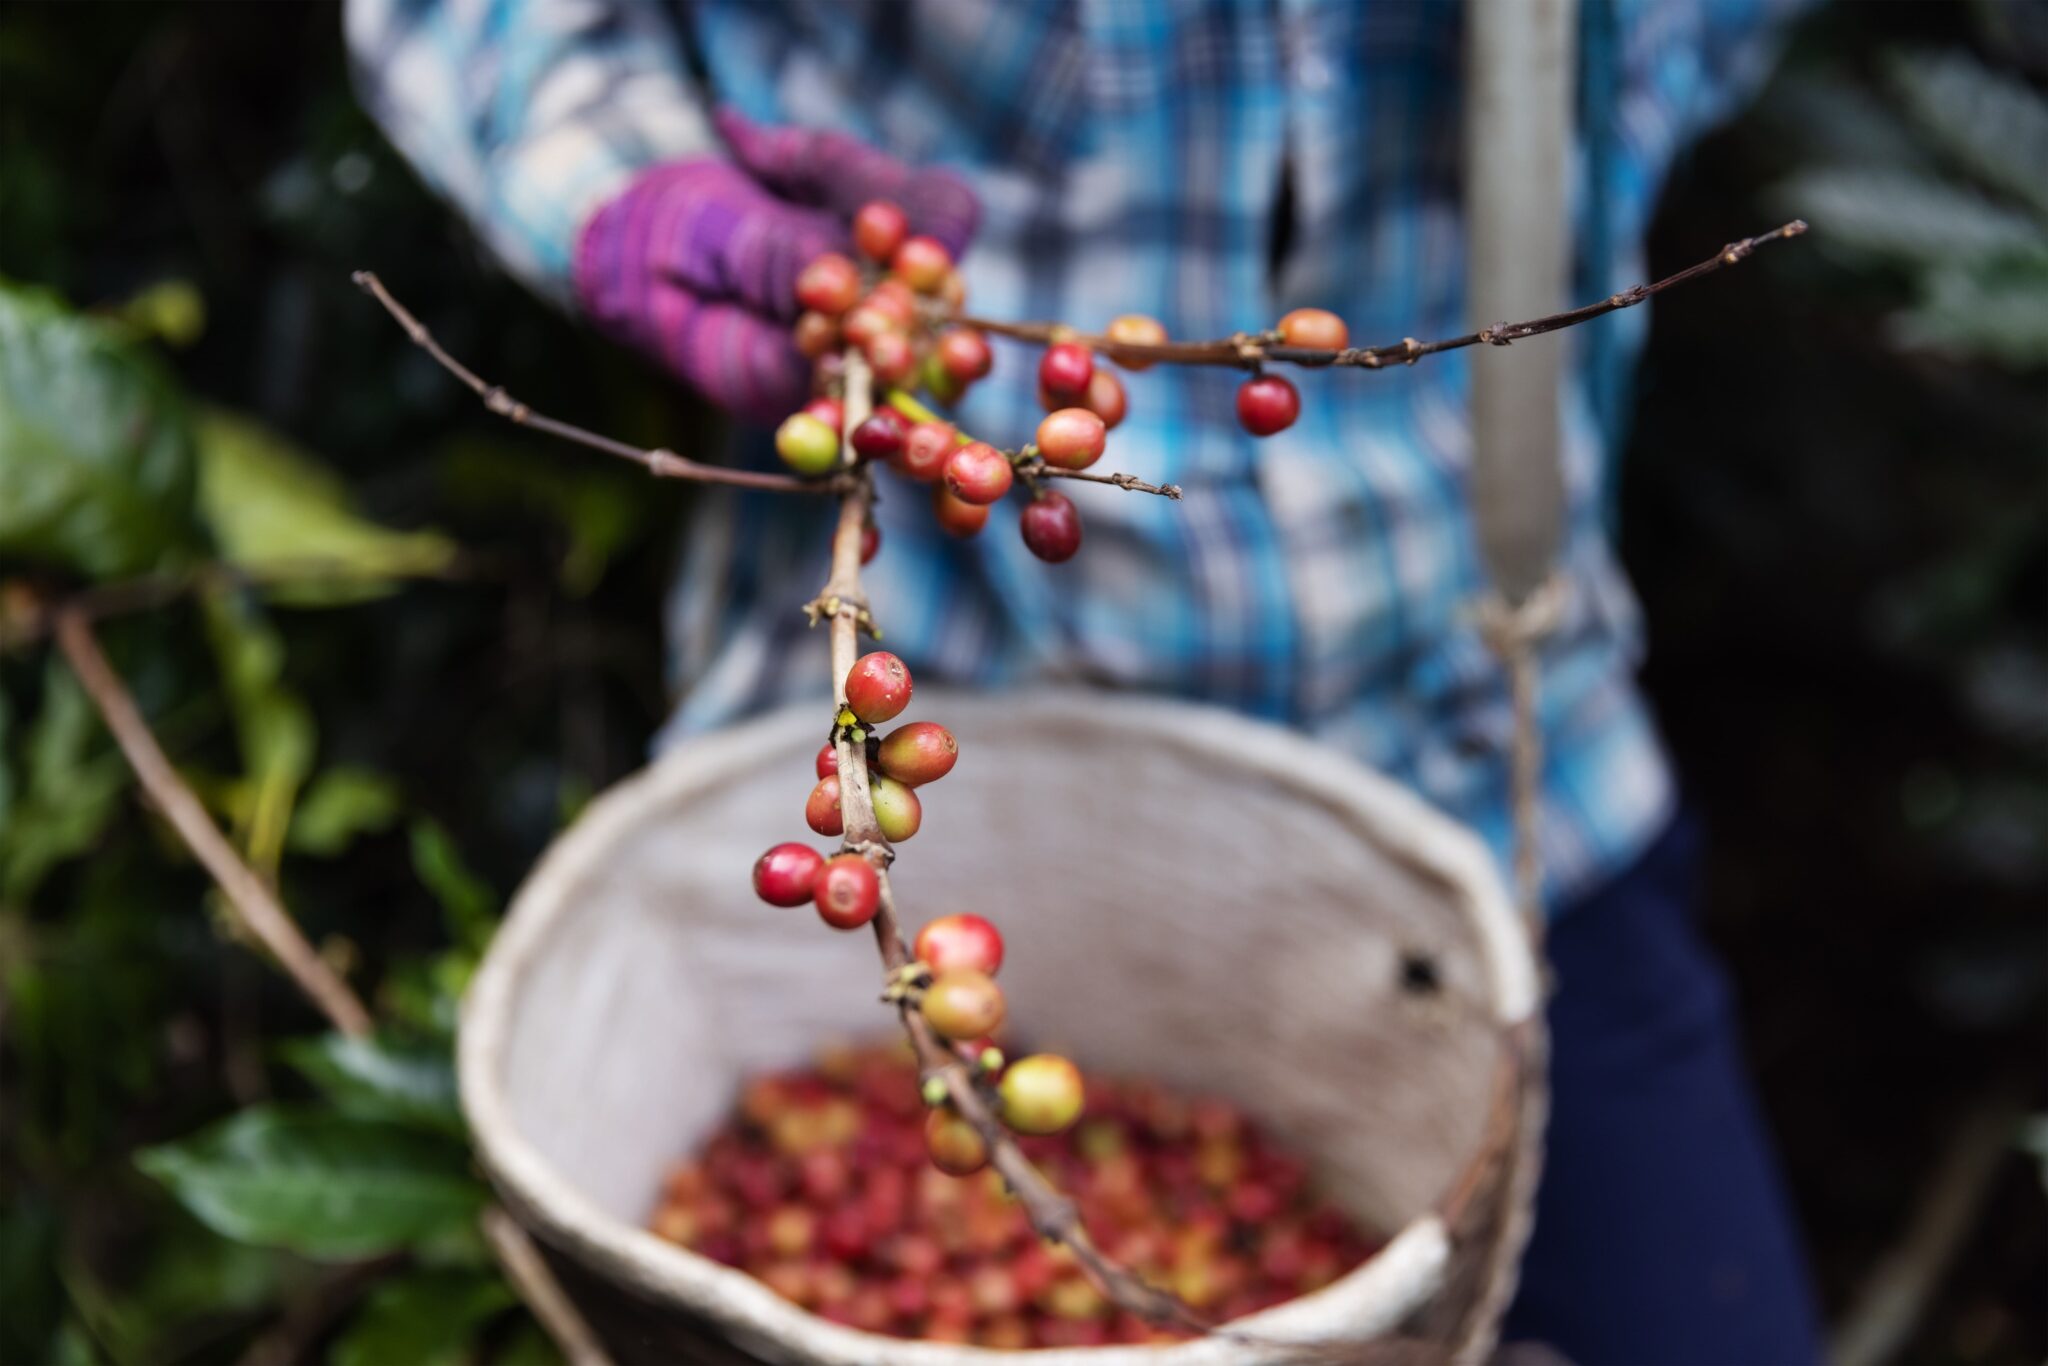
pixel 1384 1290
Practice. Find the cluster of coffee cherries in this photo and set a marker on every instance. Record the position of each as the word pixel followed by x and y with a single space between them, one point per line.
pixel 845 888
pixel 818 1186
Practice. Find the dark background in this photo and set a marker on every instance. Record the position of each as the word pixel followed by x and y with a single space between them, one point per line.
pixel 1836 526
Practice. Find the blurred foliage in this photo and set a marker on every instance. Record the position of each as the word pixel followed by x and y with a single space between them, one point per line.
pixel 389 641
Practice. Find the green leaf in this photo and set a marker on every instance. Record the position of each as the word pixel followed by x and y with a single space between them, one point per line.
pixel 600 509
pixel 273 725
pixel 1994 125
pixel 426 993
pixel 2003 319
pixel 96 463
pixel 71 780
pixel 467 901
pixel 401 1080
pixel 1911 218
pixel 279 513
pixel 427 1318
pixel 327 1186
pixel 528 1346
pixel 341 803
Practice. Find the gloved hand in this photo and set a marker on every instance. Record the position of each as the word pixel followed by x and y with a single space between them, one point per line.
pixel 696 261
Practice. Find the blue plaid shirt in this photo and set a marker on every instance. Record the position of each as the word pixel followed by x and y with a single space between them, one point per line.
pixel 1130 154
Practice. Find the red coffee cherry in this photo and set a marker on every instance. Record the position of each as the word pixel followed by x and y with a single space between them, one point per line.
pixel 821 808
pixel 1064 371
pixel 957 517
pixel 963 1003
pixel 829 411
pixel 847 892
pixel 957 941
pixel 785 874
pixel 879 228
pixel 815 333
pixel 870 542
pixel 878 687
pixel 1315 327
pixel 978 473
pixel 925 448
pixel 923 263
pixel 1135 329
pixel 1071 439
pixel 894 301
pixel 921 752
pixel 897 810
pixel 829 285
pixel 1106 398
pixel 866 323
pixel 1041 1094
pixel 955 1147
pixel 1051 526
pixel 827 762
pixel 891 357
pixel 965 354
pixel 880 435
pixel 1267 404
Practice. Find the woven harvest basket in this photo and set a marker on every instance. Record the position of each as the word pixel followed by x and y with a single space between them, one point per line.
pixel 1187 895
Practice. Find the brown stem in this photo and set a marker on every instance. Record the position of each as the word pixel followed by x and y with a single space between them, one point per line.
pixel 663 464
pixel 1249 350
pixel 1038 469
pixel 1052 1214
pixel 530 1275
pixel 247 895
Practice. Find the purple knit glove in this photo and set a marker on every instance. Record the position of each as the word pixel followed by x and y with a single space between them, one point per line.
pixel 696 261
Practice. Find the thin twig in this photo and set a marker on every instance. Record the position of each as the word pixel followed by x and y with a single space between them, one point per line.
pixel 1031 466
pixel 662 463
pixel 1250 350
pixel 251 899
pixel 1052 1215
pixel 535 1281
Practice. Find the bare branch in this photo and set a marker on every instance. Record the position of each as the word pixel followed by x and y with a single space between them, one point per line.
pixel 1250 350
pixel 663 464
pixel 251 899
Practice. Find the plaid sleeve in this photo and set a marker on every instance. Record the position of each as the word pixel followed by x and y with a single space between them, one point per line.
pixel 527 114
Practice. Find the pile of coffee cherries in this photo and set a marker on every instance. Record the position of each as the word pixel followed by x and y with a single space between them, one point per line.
pixel 819 1187
pixel 896 309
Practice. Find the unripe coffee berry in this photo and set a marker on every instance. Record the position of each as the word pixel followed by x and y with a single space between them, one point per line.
pixel 891 357
pixel 1135 329
pixel 922 263
pixel 963 1003
pixel 821 808
pixel 898 812
pixel 815 333
pixel 807 445
pixel 925 448
pixel 965 354
pixel 939 382
pixel 847 892
pixel 879 228
pixel 829 285
pixel 1064 371
pixel 1051 526
pixel 955 1147
pixel 1267 404
pixel 921 752
pixel 957 941
pixel 957 517
pixel 878 687
pixel 1315 327
pixel 785 875
pixel 1071 439
pixel 1106 398
pixel 978 473
pixel 880 434
pixel 1041 1094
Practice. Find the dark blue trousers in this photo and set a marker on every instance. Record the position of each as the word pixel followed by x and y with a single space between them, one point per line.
pixel 1663 1236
